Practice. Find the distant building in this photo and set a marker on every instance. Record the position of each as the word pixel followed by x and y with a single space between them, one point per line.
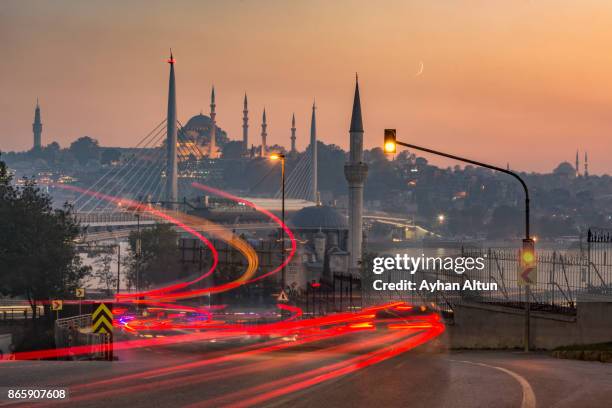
pixel 355 172
pixel 322 235
pixel 577 167
pixel 37 128
pixel 198 130
pixel 565 169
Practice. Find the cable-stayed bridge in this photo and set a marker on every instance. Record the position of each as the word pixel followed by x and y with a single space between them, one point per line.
pixel 160 172
pixel 142 177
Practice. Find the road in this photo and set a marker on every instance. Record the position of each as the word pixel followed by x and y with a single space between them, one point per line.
pixel 357 369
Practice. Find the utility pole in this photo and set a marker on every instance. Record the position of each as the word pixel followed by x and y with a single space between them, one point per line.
pixel 281 157
pixel 138 253
pixel 118 267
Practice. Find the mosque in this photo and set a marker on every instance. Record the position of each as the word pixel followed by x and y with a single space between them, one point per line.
pixel 203 132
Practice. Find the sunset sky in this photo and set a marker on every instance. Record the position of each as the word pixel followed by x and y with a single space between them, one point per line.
pixel 518 81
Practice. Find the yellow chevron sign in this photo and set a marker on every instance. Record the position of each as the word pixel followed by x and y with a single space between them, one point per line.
pixel 102 319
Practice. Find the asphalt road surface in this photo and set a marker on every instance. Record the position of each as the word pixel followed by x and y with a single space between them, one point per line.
pixel 356 370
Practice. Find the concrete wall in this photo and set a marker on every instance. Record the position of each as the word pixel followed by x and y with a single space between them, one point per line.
pixel 497 327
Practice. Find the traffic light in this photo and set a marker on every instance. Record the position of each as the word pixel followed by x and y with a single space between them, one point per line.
pixel 390 145
pixel 527 263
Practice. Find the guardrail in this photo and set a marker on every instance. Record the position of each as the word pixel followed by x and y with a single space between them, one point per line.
pixel 68 333
pixel 19 312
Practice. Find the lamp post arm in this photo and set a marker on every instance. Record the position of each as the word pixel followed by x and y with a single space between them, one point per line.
pixel 477 163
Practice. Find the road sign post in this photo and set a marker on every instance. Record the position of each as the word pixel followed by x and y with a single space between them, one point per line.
pixel 80 293
pixel 102 323
pixel 57 305
pixel 282 297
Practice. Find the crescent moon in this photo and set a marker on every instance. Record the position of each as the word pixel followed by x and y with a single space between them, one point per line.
pixel 421 67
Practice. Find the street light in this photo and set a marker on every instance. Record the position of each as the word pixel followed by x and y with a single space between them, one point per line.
pixel 390 146
pixel 390 141
pixel 441 218
pixel 281 157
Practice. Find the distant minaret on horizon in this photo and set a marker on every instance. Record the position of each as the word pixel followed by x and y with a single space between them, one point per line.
pixel 586 165
pixel 356 172
pixel 264 135
pixel 37 127
pixel 212 145
pixel 577 168
pixel 293 149
pixel 314 188
pixel 245 126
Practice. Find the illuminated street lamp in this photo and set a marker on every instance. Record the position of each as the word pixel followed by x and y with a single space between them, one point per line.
pixel 390 146
pixel 441 218
pixel 281 157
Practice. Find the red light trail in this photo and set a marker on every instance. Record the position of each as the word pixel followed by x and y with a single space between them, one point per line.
pixel 397 327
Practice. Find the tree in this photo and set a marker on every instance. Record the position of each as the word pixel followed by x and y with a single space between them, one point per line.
pixel 85 149
pixel 159 257
pixel 110 155
pixel 506 222
pixel 38 258
pixel 104 273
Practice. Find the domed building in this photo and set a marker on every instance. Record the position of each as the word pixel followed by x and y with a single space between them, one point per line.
pixel 322 235
pixel 198 129
pixel 565 170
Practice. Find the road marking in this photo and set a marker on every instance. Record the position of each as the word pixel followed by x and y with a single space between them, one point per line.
pixel 529 399
pixel 164 374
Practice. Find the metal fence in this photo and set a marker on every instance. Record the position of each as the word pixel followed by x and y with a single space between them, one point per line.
pixel 563 277
pixel 69 332
pixel 17 312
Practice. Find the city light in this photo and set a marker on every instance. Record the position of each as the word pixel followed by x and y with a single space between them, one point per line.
pixel 390 145
pixel 441 218
pixel 277 156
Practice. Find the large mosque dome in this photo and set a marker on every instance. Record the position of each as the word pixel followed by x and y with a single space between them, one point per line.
pixel 199 128
pixel 319 217
pixel 198 122
pixel 565 169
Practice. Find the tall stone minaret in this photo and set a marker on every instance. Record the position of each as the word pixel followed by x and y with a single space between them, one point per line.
pixel 264 135
pixel 577 164
pixel 212 146
pixel 355 171
pixel 37 128
pixel 293 150
pixel 586 165
pixel 171 166
pixel 245 126
pixel 314 188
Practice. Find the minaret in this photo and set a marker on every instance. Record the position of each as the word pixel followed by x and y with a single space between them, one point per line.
pixel 355 171
pixel 577 164
pixel 37 128
pixel 586 165
pixel 264 135
pixel 293 150
pixel 212 146
pixel 245 126
pixel 171 167
pixel 313 151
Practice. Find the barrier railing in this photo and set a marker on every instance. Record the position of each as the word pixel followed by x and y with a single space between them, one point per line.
pixel 69 333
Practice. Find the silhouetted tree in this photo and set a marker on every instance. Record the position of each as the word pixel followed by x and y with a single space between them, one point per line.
pixel 38 258
pixel 159 257
pixel 85 149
